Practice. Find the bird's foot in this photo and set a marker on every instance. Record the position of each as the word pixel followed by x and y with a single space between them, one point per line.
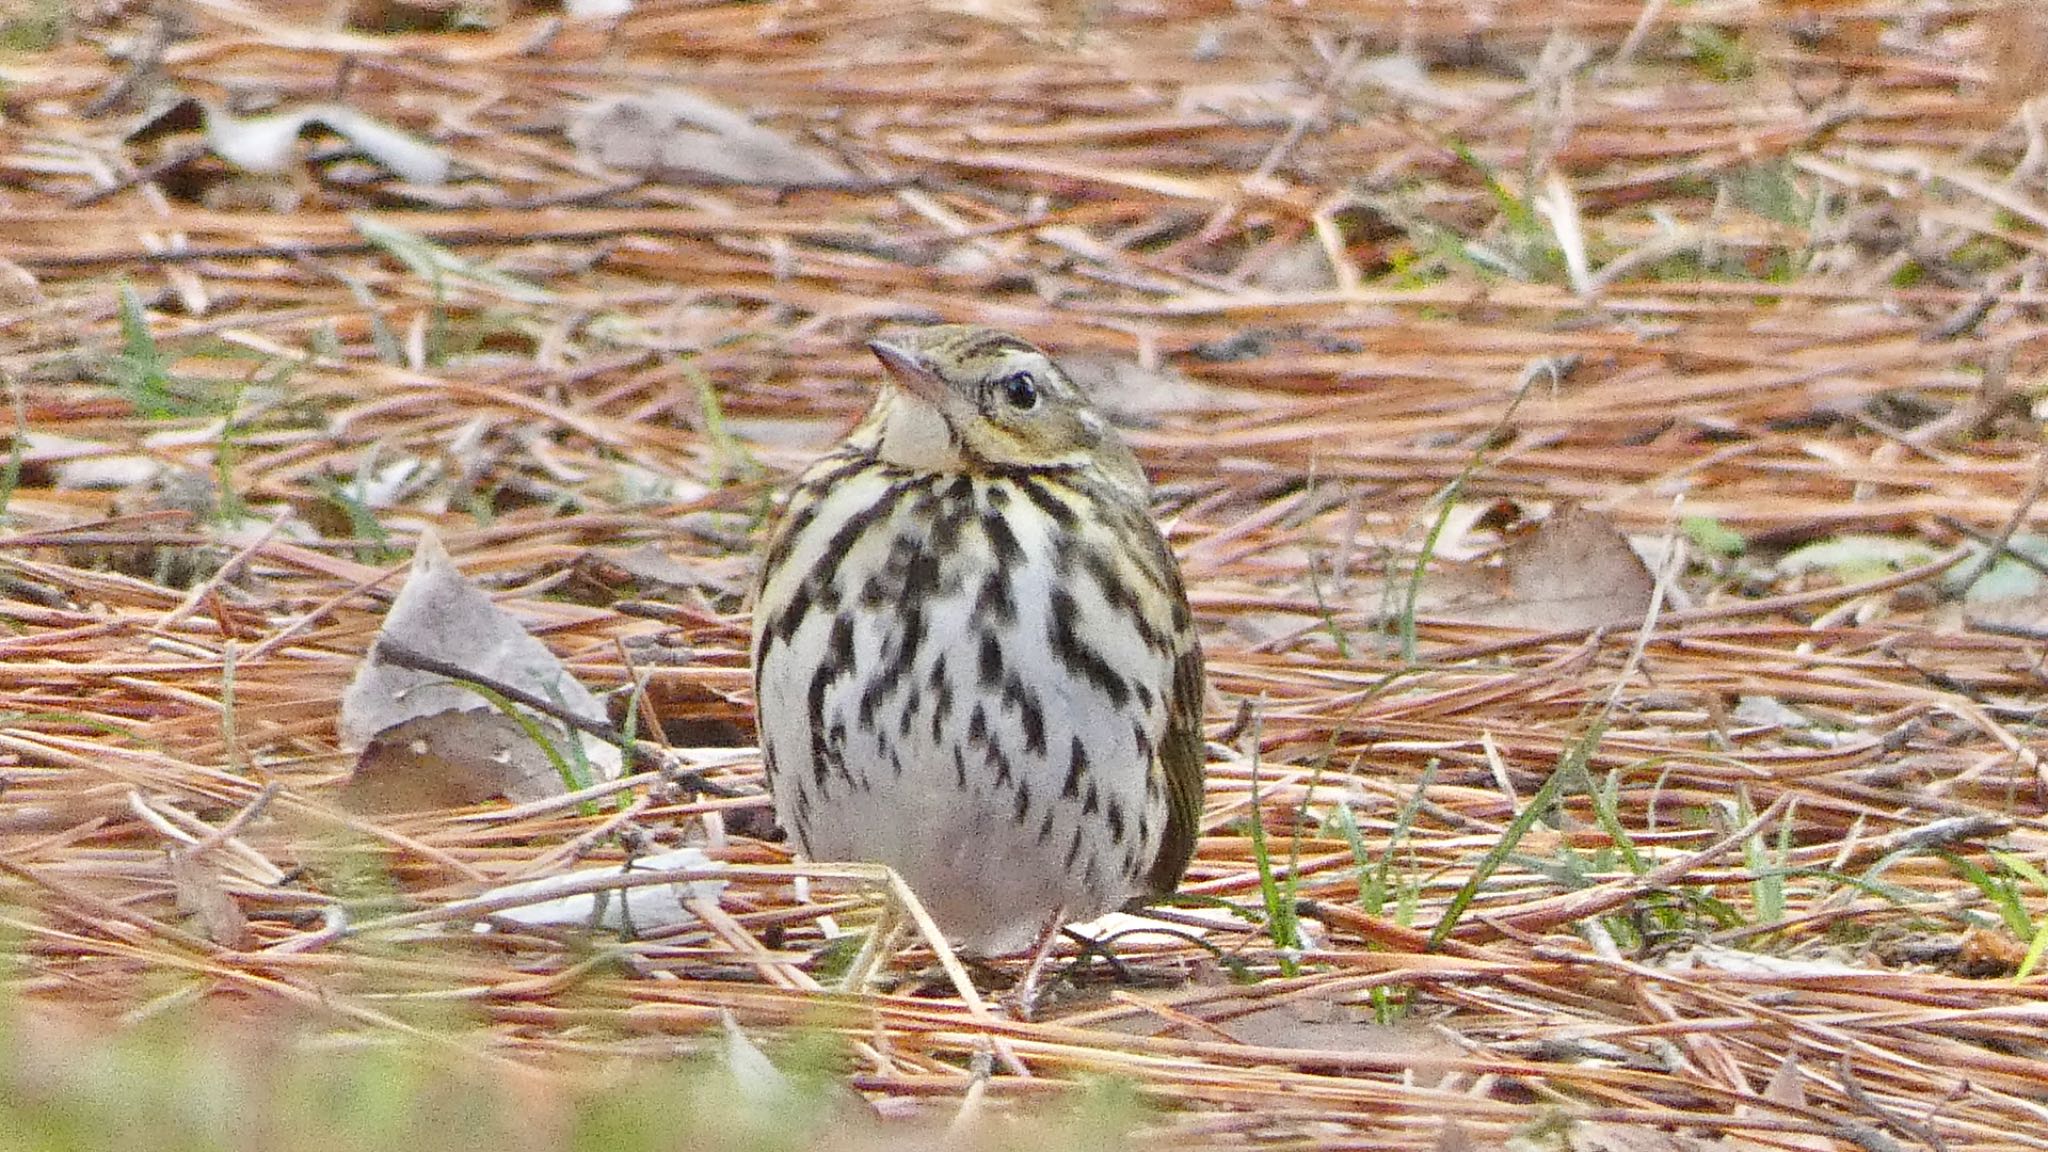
pixel 1022 999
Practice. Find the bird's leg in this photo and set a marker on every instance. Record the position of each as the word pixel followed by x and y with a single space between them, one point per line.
pixel 1023 998
pixel 1090 946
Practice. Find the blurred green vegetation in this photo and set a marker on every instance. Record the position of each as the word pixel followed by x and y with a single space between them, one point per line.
pixel 215 1076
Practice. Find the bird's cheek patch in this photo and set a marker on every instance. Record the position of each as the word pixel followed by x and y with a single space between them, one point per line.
pixel 999 445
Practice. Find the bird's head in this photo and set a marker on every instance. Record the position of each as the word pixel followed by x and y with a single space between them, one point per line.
pixel 962 398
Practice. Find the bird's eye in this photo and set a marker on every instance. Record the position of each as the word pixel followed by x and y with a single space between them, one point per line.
pixel 1019 390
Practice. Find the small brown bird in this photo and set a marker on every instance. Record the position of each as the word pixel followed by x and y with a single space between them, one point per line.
pixel 973 655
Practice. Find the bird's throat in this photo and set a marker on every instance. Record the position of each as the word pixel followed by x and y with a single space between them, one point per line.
pixel 916 436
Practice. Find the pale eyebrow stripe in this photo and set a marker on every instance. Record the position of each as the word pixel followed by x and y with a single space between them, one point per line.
pixel 1001 342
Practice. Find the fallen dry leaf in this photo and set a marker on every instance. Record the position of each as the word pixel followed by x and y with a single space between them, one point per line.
pixel 681 136
pixel 638 910
pixel 202 897
pixel 453 759
pixel 1573 570
pixel 426 739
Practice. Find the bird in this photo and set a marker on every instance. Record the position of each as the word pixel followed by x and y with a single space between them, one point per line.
pixel 973 655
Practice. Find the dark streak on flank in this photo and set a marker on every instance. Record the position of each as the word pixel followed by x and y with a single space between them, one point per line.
pixel 989 671
pixel 1032 715
pixel 1077 770
pixel 913 706
pixel 1122 598
pixel 784 625
pixel 838 662
pixel 1001 538
pixel 1055 509
pixel 942 699
pixel 889 583
pixel 808 500
pixel 842 541
pixel 995 603
pixel 1077 655
pixel 1018 699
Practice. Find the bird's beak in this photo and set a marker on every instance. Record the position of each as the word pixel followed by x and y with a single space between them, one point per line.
pixel 910 370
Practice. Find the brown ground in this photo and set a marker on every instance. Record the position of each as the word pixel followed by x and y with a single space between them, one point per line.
pixel 1784 262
